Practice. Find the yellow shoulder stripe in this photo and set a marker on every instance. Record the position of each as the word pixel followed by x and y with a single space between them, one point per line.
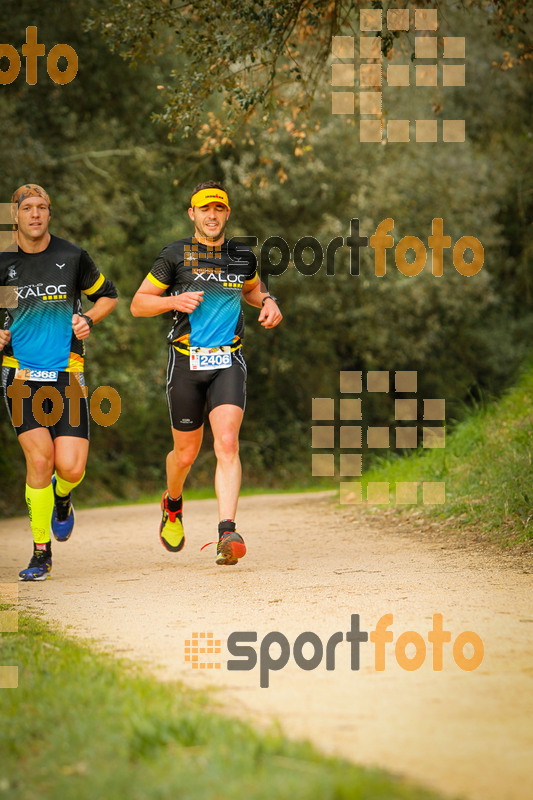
pixel 96 285
pixel 253 279
pixel 157 283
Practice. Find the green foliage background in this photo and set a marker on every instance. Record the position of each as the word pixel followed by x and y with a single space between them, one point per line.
pixel 120 185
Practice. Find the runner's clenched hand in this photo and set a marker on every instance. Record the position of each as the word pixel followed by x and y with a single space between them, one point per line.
pixel 187 301
pixel 5 337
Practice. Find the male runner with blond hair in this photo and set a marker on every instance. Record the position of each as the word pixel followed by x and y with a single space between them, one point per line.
pixel 203 278
pixel 43 344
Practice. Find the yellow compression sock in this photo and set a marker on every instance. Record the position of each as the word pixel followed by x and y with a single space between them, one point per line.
pixel 63 487
pixel 40 506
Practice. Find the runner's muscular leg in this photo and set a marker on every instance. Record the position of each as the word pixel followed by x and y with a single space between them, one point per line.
pixel 70 455
pixel 225 423
pixel 182 457
pixel 38 450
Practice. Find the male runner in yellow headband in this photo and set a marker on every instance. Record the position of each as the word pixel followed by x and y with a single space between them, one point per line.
pixel 201 280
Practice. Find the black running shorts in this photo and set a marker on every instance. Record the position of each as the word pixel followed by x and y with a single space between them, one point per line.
pixel 49 412
pixel 190 392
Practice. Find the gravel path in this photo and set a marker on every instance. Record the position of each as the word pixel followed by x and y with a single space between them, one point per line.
pixel 309 568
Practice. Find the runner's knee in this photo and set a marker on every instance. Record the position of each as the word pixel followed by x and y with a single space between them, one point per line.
pixel 40 465
pixel 226 445
pixel 184 457
pixel 71 472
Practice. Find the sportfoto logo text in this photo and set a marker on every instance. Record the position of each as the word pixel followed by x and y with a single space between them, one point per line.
pixel 468 254
pixel 19 391
pixel 31 51
pixel 275 649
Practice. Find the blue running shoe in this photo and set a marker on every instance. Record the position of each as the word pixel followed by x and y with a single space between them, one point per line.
pixel 39 567
pixel 62 516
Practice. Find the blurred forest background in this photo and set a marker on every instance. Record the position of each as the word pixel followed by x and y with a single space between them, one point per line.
pixel 169 94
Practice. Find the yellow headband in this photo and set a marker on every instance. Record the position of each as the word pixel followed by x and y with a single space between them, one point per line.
pixel 206 196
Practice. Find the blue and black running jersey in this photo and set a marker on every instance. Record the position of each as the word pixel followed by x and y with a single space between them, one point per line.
pixel 221 272
pixel 48 288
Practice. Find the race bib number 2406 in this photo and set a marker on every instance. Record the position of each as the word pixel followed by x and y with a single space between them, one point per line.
pixel 210 357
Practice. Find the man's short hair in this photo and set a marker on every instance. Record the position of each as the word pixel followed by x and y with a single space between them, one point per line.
pixel 207 185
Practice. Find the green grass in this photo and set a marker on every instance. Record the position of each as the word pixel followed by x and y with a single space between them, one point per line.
pixel 486 465
pixel 208 492
pixel 84 727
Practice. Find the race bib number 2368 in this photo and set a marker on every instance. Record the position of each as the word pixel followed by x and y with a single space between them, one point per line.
pixel 40 375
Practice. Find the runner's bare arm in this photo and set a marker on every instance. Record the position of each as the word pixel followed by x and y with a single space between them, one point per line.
pixel 254 295
pixel 147 301
pixel 101 308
